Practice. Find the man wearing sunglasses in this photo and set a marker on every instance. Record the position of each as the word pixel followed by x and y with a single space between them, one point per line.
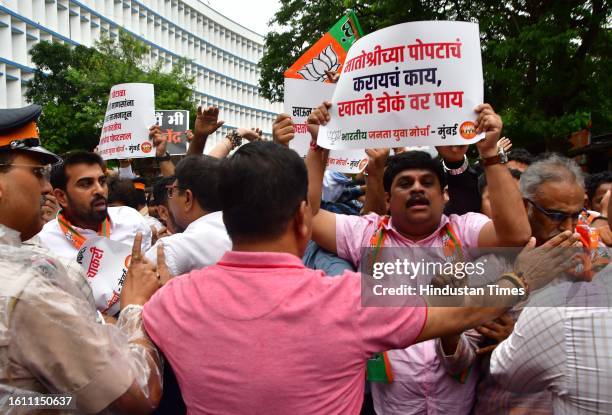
pixel 553 191
pixel 553 194
pixel 51 339
pixel 563 349
pixel 194 205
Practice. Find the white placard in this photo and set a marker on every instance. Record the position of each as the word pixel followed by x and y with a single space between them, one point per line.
pixel 129 114
pixel 105 263
pixel 301 97
pixel 412 84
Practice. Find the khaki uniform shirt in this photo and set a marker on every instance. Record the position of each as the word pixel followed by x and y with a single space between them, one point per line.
pixel 50 338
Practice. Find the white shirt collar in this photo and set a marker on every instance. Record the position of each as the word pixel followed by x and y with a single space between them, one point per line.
pixel 208 218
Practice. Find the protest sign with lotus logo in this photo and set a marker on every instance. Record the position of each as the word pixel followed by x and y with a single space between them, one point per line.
pixel 328 53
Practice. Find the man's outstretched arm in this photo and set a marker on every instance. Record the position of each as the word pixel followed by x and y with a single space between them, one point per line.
pixel 323 222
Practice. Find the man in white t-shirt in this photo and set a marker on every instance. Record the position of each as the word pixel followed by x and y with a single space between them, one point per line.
pixel 194 203
pixel 80 187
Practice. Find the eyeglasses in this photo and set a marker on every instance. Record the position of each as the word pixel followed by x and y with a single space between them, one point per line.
pixel 170 190
pixel 42 172
pixel 555 215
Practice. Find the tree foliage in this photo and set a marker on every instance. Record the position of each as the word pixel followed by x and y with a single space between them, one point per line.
pixel 546 63
pixel 73 84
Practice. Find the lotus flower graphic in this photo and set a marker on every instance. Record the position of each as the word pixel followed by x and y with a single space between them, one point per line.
pixel 315 69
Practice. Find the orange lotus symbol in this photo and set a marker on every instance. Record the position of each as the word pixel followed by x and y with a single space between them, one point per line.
pixel 467 130
pixel 314 70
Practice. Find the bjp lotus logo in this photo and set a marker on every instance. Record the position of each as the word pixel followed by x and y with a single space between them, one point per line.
pixel 467 130
pixel 315 69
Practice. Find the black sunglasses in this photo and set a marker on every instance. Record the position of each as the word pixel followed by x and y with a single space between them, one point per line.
pixel 555 215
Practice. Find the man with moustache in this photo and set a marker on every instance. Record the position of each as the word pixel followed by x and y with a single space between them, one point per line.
pixel 413 185
pixel 80 187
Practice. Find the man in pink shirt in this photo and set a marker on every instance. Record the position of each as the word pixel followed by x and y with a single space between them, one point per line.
pixel 258 332
pixel 412 184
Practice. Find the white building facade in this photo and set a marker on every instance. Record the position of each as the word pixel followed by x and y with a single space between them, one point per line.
pixel 222 55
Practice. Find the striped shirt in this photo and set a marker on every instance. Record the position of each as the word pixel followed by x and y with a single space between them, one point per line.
pixel 565 349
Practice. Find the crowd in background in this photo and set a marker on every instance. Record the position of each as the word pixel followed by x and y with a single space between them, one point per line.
pixel 243 294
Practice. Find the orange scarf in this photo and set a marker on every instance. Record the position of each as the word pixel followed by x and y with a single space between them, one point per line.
pixel 74 236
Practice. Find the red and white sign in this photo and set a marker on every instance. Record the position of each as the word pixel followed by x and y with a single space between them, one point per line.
pixel 412 84
pixel 129 114
pixel 105 263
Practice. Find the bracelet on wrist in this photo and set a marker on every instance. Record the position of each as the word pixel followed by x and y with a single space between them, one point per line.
pixel 518 281
pixel 459 170
pixel 235 139
pixel 313 144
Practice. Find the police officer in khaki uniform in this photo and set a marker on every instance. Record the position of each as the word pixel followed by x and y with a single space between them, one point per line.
pixel 51 341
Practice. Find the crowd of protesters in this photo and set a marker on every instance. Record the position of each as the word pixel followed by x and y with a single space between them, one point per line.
pixel 243 294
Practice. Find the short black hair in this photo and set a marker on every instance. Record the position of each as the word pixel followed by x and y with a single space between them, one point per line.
pixel 263 185
pixel 593 181
pixel 482 179
pixel 412 160
pixel 160 192
pixel 521 155
pixel 200 174
pixel 122 191
pixel 59 178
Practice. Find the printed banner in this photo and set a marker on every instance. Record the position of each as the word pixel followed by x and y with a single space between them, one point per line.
pixel 329 52
pixel 412 84
pixel 300 98
pixel 129 114
pixel 347 161
pixel 105 263
pixel 173 124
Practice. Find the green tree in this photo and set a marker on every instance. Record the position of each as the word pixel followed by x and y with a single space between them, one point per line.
pixel 72 84
pixel 545 62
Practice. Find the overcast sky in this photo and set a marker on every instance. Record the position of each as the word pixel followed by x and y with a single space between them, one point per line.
pixel 253 14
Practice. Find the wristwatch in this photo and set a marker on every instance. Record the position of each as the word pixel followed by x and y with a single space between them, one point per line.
pixel 165 157
pixel 458 170
pixel 500 158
